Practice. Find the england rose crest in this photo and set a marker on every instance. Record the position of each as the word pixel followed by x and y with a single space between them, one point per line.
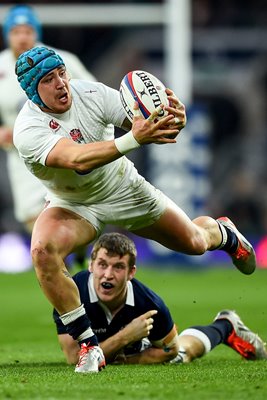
pixel 76 135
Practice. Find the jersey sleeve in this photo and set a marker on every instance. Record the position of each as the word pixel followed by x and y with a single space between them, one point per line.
pixel 145 300
pixel 113 110
pixel 163 322
pixel 33 140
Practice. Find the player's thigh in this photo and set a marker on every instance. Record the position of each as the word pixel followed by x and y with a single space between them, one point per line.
pixel 62 229
pixel 175 230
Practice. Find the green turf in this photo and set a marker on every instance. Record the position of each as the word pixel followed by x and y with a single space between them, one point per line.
pixel 32 366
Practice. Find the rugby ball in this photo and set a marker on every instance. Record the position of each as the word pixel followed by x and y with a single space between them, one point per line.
pixel 144 88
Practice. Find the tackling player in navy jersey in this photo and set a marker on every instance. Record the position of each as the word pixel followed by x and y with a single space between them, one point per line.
pixel 122 310
pixel 134 325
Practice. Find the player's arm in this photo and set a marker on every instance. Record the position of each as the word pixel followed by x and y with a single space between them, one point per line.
pixel 85 157
pixel 136 330
pixel 111 346
pixel 70 348
pixel 161 351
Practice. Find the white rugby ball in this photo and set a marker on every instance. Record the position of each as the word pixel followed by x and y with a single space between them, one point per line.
pixel 146 89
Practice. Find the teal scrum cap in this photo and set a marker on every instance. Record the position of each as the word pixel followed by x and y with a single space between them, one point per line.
pixel 30 68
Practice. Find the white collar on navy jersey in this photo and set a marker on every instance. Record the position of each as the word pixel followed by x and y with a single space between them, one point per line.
pixel 93 296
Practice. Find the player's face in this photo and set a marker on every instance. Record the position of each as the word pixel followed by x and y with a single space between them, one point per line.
pixel 110 274
pixel 54 90
pixel 21 38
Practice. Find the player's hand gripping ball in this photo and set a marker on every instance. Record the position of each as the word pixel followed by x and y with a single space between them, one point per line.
pixel 147 90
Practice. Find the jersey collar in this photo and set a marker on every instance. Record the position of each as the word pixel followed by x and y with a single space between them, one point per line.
pixel 93 296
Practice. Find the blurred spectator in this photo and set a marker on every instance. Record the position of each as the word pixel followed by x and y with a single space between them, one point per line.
pixel 21 31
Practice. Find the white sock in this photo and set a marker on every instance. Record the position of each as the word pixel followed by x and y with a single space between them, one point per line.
pixel 200 335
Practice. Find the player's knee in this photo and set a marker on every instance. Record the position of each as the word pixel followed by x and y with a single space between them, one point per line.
pixel 42 254
pixel 197 244
pixel 200 246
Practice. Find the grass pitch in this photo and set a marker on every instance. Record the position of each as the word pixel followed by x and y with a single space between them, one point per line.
pixel 33 367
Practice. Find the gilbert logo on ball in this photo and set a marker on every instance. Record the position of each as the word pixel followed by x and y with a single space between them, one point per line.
pixel 144 88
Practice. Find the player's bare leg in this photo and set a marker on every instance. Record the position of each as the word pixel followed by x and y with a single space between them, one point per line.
pixel 190 348
pixel 226 328
pixel 177 232
pixel 57 233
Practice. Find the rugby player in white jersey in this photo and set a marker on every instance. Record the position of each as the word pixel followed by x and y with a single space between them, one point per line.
pixel 22 31
pixel 65 134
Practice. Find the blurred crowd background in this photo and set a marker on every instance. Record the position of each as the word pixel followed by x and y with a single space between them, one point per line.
pixel 229 54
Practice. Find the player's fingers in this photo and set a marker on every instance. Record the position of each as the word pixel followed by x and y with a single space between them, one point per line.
pixel 175 102
pixel 136 110
pixel 179 104
pixel 155 113
pixel 149 313
pixel 177 123
pixel 149 329
pixel 163 122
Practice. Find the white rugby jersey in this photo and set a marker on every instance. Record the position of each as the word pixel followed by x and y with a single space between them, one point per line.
pixel 95 110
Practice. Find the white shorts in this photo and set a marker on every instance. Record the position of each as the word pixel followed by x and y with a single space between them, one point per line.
pixel 131 206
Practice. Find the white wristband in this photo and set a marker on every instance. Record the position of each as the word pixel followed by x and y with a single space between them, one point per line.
pixel 126 143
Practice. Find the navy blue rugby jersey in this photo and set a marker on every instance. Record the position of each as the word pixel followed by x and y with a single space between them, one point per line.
pixel 140 299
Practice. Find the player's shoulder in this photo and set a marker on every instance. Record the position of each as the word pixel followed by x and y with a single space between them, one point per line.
pixel 28 117
pixel 86 87
pixel 31 111
pixel 69 58
pixel 6 58
pixel 6 53
pixel 81 276
pixel 146 297
pixel 142 289
pixel 66 55
pixel 61 52
pixel 80 83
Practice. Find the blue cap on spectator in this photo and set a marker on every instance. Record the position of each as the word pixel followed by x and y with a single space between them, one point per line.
pixel 30 68
pixel 21 15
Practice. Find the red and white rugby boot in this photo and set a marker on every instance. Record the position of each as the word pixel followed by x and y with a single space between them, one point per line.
pixel 244 257
pixel 242 339
pixel 91 359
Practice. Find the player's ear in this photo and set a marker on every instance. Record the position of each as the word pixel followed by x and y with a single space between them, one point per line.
pixel 132 272
pixel 90 266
